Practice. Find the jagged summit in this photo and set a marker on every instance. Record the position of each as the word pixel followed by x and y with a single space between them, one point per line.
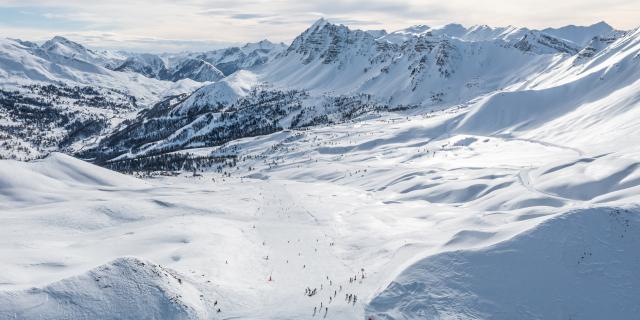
pixel 328 41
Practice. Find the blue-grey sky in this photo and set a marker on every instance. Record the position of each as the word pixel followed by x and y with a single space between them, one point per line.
pixel 174 25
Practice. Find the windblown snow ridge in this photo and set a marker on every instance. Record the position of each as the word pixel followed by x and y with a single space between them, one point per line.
pixel 125 288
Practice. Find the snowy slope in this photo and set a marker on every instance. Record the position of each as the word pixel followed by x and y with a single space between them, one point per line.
pixel 554 271
pixel 579 103
pixel 312 208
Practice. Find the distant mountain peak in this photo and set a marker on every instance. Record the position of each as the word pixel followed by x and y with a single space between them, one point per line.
pixel 581 35
pixel 328 41
pixel 320 23
pixel 602 24
pixel 262 44
pixel 60 40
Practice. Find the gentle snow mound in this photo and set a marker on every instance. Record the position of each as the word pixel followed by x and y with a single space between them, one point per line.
pixel 64 168
pixel 588 178
pixel 45 180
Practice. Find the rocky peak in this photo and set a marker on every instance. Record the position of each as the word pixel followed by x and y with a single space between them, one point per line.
pixel 327 41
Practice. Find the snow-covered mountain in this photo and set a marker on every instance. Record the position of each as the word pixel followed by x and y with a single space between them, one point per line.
pixel 146 64
pixel 66 48
pixel 431 172
pixel 338 74
pixel 196 69
pixel 62 61
pixel 154 66
pixel 202 66
pixel 577 35
pixel 425 68
pixel 61 96
pixel 247 57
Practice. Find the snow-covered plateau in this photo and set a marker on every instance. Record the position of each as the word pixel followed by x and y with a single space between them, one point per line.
pixel 428 173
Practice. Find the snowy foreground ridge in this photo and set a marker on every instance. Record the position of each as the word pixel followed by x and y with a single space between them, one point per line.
pixel 428 173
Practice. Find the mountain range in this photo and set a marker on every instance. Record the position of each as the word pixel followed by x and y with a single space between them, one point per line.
pixel 430 67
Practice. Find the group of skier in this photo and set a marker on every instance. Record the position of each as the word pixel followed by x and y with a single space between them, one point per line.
pixel 350 298
pixel 310 292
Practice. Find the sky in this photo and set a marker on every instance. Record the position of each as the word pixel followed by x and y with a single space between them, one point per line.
pixel 179 25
